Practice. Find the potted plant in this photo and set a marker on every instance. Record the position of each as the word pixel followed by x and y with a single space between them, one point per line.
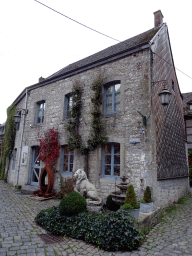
pixel 130 202
pixel 147 204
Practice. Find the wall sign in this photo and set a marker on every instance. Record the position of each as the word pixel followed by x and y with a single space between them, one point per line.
pixel 24 155
pixel 134 140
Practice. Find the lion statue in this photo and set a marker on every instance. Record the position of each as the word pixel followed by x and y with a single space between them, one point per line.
pixel 86 188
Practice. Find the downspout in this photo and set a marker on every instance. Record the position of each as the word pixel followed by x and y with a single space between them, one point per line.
pixel 21 139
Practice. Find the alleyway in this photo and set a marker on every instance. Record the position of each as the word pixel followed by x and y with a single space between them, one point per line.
pixel 19 235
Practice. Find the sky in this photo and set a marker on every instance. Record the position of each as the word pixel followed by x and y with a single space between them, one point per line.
pixel 35 41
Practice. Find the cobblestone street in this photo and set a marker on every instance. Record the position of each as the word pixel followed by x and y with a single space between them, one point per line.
pixel 19 234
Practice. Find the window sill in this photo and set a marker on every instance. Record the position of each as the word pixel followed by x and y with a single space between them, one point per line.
pixel 66 174
pixel 110 180
pixel 112 115
pixel 36 125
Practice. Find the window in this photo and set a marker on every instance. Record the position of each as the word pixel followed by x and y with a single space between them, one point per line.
pixel 14 158
pixel 173 86
pixel 40 112
pixel 111 160
pixel 67 160
pixel 2 128
pixel 68 105
pixel 190 107
pixel 112 97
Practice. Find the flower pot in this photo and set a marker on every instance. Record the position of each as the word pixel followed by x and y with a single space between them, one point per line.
pixel 147 207
pixel 134 213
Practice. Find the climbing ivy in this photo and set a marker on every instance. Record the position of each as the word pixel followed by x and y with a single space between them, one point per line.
pixel 97 137
pixel 9 139
pixel 74 139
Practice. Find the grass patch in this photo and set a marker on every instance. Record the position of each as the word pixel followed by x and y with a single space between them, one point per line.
pixel 171 209
pixel 55 252
pixel 182 200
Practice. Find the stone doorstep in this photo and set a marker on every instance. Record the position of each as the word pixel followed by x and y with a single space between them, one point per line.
pixel 28 190
pixel 147 221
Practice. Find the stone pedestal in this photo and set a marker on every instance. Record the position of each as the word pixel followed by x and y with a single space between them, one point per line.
pixel 95 209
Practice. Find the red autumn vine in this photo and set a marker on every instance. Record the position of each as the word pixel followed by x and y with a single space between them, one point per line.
pixel 49 147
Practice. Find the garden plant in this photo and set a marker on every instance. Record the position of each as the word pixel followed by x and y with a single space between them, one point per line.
pixel 113 231
pixel 131 198
pixel 147 196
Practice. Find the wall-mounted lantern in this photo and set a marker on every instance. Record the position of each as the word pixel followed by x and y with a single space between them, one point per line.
pixel 17 118
pixel 165 96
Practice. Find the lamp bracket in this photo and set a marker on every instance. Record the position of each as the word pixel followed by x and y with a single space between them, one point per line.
pixel 144 118
pixel 24 111
pixel 164 82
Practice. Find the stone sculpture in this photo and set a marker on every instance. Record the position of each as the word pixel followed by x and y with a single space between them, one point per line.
pixel 86 188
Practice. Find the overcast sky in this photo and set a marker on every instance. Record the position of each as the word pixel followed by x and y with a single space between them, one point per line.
pixel 35 41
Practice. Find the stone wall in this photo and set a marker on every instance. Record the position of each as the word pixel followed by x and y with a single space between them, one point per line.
pixel 169 126
pixel 134 74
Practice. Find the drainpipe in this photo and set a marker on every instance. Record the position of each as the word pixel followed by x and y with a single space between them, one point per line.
pixel 23 112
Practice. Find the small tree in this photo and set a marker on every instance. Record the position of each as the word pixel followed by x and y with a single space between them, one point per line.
pixel 49 147
pixel 147 195
pixel 131 197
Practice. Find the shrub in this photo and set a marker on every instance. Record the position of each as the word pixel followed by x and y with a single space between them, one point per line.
pixel 111 205
pixel 66 186
pixel 126 206
pixel 83 225
pixel 116 231
pixel 131 197
pixel 147 195
pixel 72 204
pixel 51 220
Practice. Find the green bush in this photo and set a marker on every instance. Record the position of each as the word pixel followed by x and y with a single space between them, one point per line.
pixel 126 206
pixel 115 231
pixel 51 220
pixel 147 195
pixel 72 204
pixel 111 205
pixel 131 197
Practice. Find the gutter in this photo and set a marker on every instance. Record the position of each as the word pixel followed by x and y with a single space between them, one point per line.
pixel 21 139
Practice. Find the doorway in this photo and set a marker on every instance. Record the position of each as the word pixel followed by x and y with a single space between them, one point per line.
pixel 35 167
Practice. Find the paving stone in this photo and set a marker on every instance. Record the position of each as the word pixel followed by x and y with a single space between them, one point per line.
pixel 18 232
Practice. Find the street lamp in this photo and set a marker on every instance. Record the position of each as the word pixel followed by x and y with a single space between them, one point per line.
pixel 17 118
pixel 165 96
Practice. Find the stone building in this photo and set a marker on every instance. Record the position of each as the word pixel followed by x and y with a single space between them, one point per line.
pixel 187 107
pixel 145 139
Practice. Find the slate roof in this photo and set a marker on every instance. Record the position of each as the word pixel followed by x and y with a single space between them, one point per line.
pixel 111 53
pixel 187 97
pixel 116 49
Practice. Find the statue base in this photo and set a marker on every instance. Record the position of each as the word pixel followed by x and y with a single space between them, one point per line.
pixel 95 209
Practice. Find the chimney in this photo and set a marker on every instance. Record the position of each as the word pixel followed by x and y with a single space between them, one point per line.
pixel 41 79
pixel 158 18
